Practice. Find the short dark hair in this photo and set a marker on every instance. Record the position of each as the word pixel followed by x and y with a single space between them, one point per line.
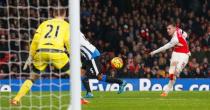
pixel 171 23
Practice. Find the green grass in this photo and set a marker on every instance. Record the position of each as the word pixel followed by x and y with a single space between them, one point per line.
pixel 114 101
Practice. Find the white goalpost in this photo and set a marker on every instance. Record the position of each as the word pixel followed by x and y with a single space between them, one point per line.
pixel 52 91
pixel 74 18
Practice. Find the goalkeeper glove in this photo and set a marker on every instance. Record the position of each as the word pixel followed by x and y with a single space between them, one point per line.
pixel 28 62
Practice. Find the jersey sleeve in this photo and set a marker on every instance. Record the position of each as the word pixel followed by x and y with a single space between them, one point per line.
pixel 170 44
pixel 34 43
pixel 174 40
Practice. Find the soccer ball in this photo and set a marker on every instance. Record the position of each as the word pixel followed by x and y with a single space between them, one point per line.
pixel 117 62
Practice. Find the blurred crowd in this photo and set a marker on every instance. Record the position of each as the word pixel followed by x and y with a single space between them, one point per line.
pixel 126 28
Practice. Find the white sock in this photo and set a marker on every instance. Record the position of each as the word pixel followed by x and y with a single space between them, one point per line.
pixel 169 86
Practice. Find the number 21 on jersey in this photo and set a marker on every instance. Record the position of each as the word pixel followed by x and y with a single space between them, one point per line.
pixel 51 29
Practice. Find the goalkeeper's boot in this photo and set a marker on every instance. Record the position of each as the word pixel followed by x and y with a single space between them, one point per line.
pixel 89 95
pixel 121 88
pixel 164 94
pixel 14 102
pixel 84 101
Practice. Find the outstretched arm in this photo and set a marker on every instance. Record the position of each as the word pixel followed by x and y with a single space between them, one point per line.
pixel 172 43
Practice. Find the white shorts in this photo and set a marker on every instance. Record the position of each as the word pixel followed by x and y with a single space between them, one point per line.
pixel 178 62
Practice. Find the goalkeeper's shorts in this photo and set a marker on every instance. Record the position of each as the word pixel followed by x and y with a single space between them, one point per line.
pixel 59 60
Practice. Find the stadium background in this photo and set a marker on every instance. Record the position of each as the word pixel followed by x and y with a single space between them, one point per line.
pixel 126 28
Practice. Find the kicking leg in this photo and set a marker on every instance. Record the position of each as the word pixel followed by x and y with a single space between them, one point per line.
pixel 109 79
pixel 173 71
pixel 171 82
pixel 85 82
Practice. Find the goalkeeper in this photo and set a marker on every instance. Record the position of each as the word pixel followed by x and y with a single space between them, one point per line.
pixel 48 46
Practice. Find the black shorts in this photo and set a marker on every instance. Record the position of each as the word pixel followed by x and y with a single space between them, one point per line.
pixel 93 67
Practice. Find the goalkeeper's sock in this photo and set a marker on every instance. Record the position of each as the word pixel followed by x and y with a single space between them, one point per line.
pixel 23 90
pixel 109 79
pixel 85 82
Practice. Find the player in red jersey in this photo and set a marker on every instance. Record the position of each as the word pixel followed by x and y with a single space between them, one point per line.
pixel 180 54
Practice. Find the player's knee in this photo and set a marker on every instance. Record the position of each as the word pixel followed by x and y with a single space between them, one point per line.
pixel 32 80
pixel 99 77
pixel 174 63
pixel 178 69
pixel 34 77
pixel 85 80
pixel 83 72
pixel 172 69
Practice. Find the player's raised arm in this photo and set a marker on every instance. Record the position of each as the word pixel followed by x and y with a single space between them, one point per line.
pixel 171 30
pixel 170 44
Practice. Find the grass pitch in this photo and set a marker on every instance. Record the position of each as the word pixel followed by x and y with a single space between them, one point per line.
pixel 113 101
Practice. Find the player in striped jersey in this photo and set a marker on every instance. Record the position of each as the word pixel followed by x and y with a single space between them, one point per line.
pixel 92 67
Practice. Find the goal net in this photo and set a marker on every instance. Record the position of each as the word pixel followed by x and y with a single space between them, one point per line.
pixel 19 20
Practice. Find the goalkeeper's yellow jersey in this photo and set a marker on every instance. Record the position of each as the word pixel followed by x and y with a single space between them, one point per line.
pixel 51 34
